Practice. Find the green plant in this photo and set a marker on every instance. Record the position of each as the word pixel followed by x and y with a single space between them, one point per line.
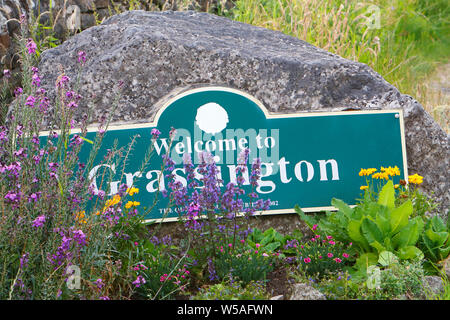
pixel 270 241
pixel 322 255
pixel 374 227
pixel 233 290
pixel 435 240
pixel 243 264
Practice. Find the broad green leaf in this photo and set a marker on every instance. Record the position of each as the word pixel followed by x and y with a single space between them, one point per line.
pixel 371 231
pixel 382 220
pixel 267 239
pixel 400 215
pixel 387 258
pixel 354 231
pixel 408 235
pixel 387 195
pixel 342 206
pixel 430 249
pixel 444 252
pixel 438 238
pixel 438 224
pixel 410 253
pixel 310 221
pixel 366 260
pixel 378 246
pixel 271 247
pixel 278 237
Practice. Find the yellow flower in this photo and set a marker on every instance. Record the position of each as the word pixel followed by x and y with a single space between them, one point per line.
pixel 132 191
pixel 112 202
pixel 415 178
pixel 396 186
pixel 367 172
pixel 380 175
pixel 364 187
pixel 395 171
pixel 79 216
pixel 132 204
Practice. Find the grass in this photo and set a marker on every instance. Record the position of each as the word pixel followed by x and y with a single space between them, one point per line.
pixel 404 41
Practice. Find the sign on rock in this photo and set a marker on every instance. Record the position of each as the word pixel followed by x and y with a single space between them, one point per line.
pixel 307 158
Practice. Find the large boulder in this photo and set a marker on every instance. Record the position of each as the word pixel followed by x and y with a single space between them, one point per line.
pixel 156 53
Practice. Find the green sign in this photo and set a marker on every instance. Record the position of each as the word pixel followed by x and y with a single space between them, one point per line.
pixel 307 158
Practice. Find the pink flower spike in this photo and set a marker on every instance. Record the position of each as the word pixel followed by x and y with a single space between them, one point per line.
pixel 314 227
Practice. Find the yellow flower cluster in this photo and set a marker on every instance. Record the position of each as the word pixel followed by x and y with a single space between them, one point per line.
pixel 384 173
pixel 132 204
pixel 109 203
pixel 380 175
pixel 415 178
pixel 395 171
pixel 131 191
pixel 112 202
pixel 367 172
pixel 80 217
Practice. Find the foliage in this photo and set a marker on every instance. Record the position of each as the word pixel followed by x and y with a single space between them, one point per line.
pixel 271 241
pixel 435 240
pixel 322 255
pixel 243 264
pixel 53 245
pixel 210 215
pixel 233 290
pixel 375 227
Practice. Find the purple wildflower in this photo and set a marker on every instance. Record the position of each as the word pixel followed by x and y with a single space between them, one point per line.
pixel 31 46
pixel 39 221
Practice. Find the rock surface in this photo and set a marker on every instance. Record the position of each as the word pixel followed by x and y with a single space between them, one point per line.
pixel 155 53
pixel 303 291
pixel 433 285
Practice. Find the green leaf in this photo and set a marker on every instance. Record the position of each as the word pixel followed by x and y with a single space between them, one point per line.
pixel 354 231
pixel 87 140
pixel 409 235
pixel 400 215
pixel 444 252
pixel 310 221
pixel 438 224
pixel 271 247
pixel 342 206
pixel 410 253
pixel 267 239
pixel 371 231
pixel 387 195
pixel 378 246
pixel 386 258
pixel 366 260
pixel 382 220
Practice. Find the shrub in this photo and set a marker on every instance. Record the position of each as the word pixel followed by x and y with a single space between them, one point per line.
pixel 230 289
pixel 376 224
